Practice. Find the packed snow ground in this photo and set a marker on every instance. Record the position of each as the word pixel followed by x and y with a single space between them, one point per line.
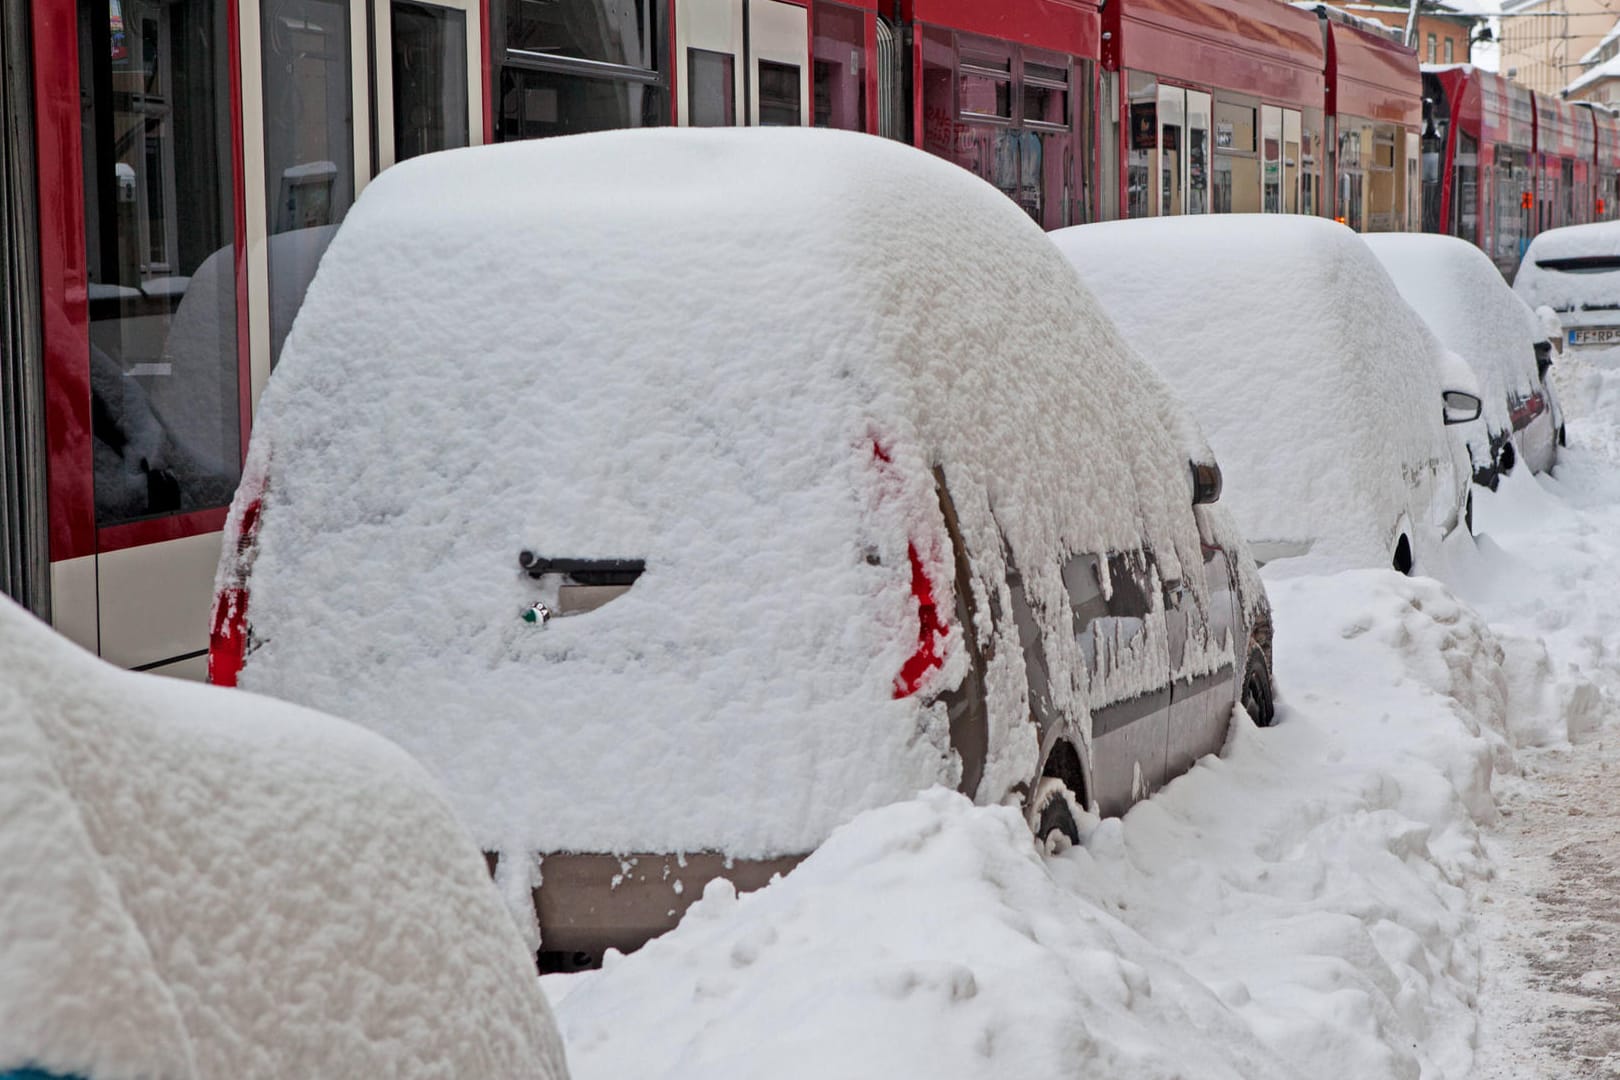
pixel 1404 878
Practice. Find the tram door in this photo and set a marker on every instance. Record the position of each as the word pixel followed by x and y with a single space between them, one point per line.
pixel 307 159
pixel 742 62
pixel 1184 151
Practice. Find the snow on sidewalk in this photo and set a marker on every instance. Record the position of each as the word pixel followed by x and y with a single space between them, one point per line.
pixel 1297 907
pixel 1335 896
pixel 1547 577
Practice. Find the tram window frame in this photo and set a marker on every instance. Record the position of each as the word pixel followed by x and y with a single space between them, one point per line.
pixel 635 93
pixel 1238 116
pixel 1142 144
pixel 452 125
pixel 165 367
pixel 838 90
pixel 984 70
pixel 1311 132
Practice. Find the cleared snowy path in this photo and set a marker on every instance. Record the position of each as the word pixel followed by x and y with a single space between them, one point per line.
pixel 1552 914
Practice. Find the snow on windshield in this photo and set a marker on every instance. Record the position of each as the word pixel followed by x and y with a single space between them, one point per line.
pixel 735 356
pixel 198 882
pixel 1317 385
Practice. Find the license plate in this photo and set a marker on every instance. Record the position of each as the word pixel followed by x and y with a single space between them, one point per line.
pixel 1595 335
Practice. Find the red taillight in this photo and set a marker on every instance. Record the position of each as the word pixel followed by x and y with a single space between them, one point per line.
pixel 228 633
pixel 929 630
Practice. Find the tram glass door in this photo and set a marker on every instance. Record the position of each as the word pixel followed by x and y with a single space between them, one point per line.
pixel 308 131
pixel 1184 151
pixel 742 62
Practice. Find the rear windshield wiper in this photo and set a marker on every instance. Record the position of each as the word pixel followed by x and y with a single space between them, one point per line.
pixel 1582 264
pixel 583 571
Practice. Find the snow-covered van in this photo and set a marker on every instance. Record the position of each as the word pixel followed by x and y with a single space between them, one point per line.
pixel 1460 294
pixel 1321 391
pixel 1575 271
pixel 196 883
pixel 677 495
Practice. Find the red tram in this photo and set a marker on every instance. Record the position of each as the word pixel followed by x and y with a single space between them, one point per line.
pixel 174 168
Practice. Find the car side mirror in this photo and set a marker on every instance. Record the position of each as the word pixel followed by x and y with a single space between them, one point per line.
pixel 1206 482
pixel 1460 406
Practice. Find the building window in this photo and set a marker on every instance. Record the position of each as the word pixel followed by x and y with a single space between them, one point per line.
pixel 1431 48
pixel 1450 55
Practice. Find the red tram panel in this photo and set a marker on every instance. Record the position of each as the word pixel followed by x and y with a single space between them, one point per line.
pixel 1486 125
pixel 1212 107
pixel 1373 99
pixel 1006 92
pixel 1565 146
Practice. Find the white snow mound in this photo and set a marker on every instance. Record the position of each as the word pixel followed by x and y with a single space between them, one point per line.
pixel 203 883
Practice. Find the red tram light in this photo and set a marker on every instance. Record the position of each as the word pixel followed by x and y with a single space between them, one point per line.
pixel 1526 201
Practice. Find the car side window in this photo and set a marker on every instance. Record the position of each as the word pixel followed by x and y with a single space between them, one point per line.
pixel 1109 629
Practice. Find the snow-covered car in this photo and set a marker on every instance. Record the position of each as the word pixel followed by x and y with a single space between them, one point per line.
pixel 1575 270
pixel 1320 390
pixel 199 883
pixel 1460 294
pixel 800 474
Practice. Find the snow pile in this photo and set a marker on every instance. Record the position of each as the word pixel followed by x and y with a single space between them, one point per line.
pixel 195 882
pixel 744 372
pixel 1463 299
pixel 1297 907
pixel 1571 292
pixel 1326 418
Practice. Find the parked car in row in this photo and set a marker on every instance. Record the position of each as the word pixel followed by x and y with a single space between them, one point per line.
pixel 802 473
pixel 197 884
pixel 1319 388
pixel 1575 270
pixel 1461 296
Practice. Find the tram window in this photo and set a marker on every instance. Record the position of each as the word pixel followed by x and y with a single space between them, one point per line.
pixel 1142 92
pixel 610 31
pixel 1384 196
pixel 1310 171
pixel 1046 105
pixel 308 143
pixel 840 67
pixel 1291 161
pixel 1271 159
pixel 536 104
pixel 985 88
pixel 1172 163
pixel 710 88
pixel 430 78
pixel 1236 182
pixel 1351 202
pixel 159 239
pixel 1466 215
pixel 778 94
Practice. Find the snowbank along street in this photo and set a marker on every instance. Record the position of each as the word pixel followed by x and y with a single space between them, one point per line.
pixel 1413 875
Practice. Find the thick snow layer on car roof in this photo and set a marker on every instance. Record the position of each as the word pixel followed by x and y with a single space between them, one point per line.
pixel 1314 381
pixel 737 356
pixel 1462 296
pixel 1570 290
pixel 201 883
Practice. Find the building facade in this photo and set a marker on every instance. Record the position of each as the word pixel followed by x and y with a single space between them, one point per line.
pixel 1543 41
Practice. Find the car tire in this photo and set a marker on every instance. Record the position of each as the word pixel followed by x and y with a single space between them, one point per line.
pixel 1256 691
pixel 1054 816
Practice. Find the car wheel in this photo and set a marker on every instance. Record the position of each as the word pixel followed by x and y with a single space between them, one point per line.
pixel 1257 689
pixel 1507 459
pixel 1402 562
pixel 1055 815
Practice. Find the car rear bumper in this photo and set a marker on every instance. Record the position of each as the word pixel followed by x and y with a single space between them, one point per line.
pixel 588 903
